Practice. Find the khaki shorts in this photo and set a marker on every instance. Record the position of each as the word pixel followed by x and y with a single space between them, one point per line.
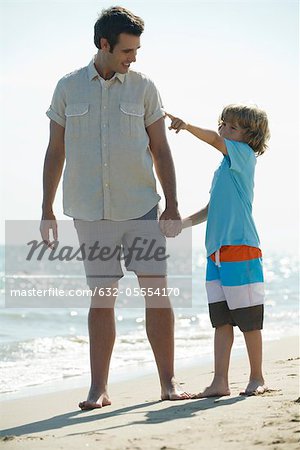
pixel 107 246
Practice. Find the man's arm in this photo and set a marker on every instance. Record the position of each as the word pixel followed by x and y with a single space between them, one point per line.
pixel 53 166
pixel 164 167
pixel 209 136
pixel 195 219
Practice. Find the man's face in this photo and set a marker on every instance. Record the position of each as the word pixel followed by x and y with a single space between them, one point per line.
pixel 124 53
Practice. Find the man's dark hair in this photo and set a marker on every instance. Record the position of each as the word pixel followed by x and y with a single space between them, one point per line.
pixel 114 21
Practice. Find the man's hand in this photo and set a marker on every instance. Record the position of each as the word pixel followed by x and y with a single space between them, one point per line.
pixel 176 123
pixel 170 222
pixel 48 223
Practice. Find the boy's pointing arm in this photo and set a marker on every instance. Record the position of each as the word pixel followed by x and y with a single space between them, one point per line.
pixel 209 136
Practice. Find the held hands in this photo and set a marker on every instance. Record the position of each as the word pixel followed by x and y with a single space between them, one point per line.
pixel 176 123
pixel 170 222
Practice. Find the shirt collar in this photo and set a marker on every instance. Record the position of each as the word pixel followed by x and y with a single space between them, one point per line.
pixel 92 73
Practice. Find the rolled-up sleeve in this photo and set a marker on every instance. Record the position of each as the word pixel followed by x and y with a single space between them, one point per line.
pixel 56 111
pixel 153 105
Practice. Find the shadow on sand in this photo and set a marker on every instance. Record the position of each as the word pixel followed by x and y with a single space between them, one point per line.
pixel 176 411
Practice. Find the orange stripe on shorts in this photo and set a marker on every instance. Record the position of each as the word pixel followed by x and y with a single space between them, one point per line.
pixel 234 253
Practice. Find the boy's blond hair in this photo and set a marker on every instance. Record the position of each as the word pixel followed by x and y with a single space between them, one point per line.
pixel 253 120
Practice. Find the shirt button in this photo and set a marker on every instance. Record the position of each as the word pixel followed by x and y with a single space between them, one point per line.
pixel 106 185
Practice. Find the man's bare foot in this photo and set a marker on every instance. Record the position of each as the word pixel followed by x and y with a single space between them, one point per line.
pixel 174 392
pixel 255 387
pixel 95 401
pixel 216 389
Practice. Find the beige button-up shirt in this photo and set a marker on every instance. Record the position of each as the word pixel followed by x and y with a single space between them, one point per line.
pixel 109 170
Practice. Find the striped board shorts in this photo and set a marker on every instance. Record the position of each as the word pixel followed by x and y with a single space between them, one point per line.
pixel 235 287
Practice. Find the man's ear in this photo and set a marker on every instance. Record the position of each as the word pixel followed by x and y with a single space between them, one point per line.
pixel 104 45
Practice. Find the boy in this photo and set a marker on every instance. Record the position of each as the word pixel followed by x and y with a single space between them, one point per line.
pixel 234 277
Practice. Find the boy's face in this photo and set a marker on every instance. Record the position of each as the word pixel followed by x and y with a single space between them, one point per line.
pixel 231 131
pixel 123 54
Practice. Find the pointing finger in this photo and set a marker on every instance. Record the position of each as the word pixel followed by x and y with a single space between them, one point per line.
pixel 170 116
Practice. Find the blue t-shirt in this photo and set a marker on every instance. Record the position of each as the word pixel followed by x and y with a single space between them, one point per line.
pixel 230 220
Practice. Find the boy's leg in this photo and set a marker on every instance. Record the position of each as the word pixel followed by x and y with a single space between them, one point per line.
pixel 243 286
pixel 222 322
pixel 222 348
pixel 256 383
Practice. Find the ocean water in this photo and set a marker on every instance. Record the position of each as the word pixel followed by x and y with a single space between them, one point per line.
pixel 39 346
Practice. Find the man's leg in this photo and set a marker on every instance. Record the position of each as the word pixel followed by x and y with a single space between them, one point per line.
pixel 102 334
pixel 160 332
pixel 222 347
pixel 256 383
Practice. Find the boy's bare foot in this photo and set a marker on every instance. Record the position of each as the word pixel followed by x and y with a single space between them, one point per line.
pixel 216 389
pixel 174 392
pixel 95 401
pixel 255 387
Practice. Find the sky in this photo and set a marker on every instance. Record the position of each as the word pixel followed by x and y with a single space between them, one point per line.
pixel 202 55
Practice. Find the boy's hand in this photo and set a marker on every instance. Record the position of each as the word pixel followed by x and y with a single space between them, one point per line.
pixel 176 124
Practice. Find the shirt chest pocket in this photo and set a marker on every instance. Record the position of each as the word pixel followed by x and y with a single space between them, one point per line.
pixel 132 119
pixel 77 119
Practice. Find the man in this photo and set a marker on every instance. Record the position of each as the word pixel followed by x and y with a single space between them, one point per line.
pixel 107 123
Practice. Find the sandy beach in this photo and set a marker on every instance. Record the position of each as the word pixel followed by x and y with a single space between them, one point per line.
pixel 137 420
